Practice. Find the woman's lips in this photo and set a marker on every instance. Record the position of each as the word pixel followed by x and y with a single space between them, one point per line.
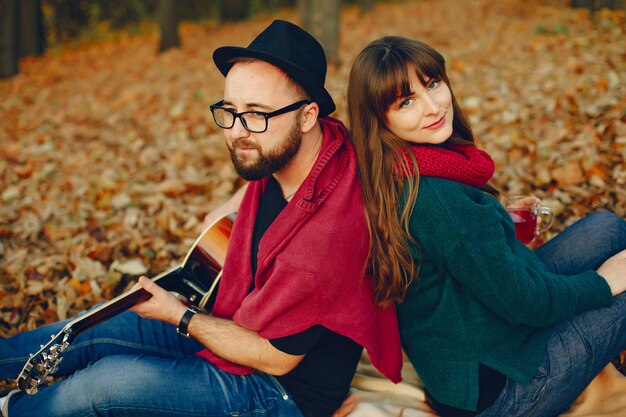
pixel 437 124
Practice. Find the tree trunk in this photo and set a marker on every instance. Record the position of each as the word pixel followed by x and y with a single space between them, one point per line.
pixel 594 5
pixel 321 19
pixel 304 12
pixel 31 32
pixel 233 10
pixel 366 5
pixel 8 38
pixel 168 23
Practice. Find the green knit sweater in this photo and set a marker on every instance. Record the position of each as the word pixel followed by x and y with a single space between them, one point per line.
pixel 482 296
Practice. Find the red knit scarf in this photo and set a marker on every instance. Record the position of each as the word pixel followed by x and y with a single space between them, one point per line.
pixel 461 163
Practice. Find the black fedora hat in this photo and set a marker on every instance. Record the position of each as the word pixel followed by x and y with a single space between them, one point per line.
pixel 291 49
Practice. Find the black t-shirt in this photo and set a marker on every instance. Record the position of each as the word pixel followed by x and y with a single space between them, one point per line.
pixel 321 381
pixel 490 386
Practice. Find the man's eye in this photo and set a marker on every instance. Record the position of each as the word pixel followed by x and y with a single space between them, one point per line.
pixel 256 115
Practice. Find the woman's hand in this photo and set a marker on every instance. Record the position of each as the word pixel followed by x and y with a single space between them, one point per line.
pixel 613 270
pixel 523 202
pixel 163 305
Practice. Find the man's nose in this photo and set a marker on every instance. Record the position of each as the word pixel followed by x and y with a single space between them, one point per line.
pixel 238 131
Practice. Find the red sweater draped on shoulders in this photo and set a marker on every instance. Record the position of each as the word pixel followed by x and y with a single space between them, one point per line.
pixel 311 263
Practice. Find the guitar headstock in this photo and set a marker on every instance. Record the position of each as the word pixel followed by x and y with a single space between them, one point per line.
pixel 43 363
pixel 196 279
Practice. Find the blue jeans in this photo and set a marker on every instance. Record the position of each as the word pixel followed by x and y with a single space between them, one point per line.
pixel 129 366
pixel 580 347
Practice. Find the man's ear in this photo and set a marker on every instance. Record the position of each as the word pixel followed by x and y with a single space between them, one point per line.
pixel 309 116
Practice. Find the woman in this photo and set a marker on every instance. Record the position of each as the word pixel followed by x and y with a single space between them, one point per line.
pixel 492 328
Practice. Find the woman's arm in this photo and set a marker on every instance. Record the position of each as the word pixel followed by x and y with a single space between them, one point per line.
pixel 466 237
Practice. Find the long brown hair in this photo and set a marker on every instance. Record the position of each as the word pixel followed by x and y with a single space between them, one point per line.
pixel 379 76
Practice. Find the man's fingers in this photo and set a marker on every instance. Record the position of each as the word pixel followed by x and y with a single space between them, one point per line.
pixel 149 285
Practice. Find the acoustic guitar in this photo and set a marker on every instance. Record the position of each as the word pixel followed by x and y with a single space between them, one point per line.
pixel 196 279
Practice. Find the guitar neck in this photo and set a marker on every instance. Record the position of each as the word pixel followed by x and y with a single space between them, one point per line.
pixel 117 305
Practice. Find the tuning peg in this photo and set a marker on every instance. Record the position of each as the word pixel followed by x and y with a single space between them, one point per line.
pixel 55 367
pixel 31 390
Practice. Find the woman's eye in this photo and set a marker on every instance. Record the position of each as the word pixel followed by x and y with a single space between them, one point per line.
pixel 433 84
pixel 406 103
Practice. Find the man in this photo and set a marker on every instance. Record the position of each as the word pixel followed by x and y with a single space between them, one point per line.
pixel 293 307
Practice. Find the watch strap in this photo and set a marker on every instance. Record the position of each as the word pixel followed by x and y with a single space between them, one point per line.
pixel 183 325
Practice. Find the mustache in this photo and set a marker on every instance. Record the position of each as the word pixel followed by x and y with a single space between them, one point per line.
pixel 243 143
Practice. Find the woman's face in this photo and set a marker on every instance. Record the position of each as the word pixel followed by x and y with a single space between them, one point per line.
pixel 425 116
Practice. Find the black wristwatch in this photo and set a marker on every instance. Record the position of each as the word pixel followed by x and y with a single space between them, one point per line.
pixel 184 321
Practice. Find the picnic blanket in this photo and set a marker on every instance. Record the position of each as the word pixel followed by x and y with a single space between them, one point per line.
pixel 379 397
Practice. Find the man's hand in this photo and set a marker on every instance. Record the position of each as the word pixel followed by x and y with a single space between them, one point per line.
pixel 348 406
pixel 223 337
pixel 163 305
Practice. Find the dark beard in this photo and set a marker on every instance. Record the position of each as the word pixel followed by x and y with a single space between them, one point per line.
pixel 272 161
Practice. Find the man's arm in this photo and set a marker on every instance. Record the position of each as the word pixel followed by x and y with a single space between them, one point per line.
pixel 223 337
pixel 236 344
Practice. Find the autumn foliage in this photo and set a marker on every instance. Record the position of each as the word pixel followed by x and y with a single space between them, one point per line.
pixel 109 159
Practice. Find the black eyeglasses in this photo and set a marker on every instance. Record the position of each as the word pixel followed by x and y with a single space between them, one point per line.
pixel 252 121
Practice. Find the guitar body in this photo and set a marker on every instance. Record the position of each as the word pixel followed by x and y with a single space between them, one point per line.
pixel 196 279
